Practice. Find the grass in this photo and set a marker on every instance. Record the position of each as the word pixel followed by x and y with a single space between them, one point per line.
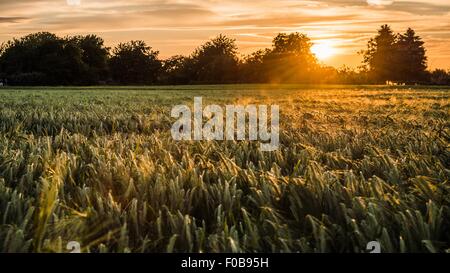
pixel 99 166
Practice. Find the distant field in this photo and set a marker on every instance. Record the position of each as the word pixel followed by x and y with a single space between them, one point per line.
pixel 99 166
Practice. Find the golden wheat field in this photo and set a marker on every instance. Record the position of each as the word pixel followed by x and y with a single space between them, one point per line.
pixel 99 166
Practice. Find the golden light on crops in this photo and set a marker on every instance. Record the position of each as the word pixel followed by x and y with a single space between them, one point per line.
pixel 323 50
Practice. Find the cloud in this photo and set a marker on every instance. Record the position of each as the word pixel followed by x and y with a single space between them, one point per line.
pixel 380 2
pixel 421 8
pixel 11 19
pixel 281 20
pixel 181 12
pixel 73 2
pixel 414 7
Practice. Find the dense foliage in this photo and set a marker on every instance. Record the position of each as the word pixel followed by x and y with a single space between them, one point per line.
pixel 45 59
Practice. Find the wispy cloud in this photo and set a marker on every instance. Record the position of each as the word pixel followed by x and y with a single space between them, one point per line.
pixel 11 19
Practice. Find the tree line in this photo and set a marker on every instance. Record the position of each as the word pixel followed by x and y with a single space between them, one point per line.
pixel 45 59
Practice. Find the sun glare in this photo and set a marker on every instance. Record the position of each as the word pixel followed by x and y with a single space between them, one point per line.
pixel 323 50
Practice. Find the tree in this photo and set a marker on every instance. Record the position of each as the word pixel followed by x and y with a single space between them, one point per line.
pixel 175 70
pixel 215 62
pixel 381 56
pixel 46 59
pixel 440 77
pixel 396 57
pixel 135 63
pixel 253 67
pixel 95 56
pixel 290 59
pixel 412 59
pixel 42 58
pixel 295 43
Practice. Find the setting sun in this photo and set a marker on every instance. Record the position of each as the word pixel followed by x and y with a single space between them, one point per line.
pixel 323 50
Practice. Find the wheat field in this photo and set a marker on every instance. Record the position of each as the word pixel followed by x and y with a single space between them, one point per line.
pixel 99 166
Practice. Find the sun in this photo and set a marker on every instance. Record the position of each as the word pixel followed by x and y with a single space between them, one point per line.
pixel 323 50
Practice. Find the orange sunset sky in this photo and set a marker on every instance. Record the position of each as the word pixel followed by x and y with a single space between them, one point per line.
pixel 339 28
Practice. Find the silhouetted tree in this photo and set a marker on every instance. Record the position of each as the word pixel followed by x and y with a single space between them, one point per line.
pixel 440 77
pixel 175 70
pixel 42 58
pixel 396 57
pixel 297 44
pixel 412 60
pixel 381 56
pixel 214 62
pixel 46 59
pixel 135 63
pixel 253 68
pixel 95 56
pixel 290 59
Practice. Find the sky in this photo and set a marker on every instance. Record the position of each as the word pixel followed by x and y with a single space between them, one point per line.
pixel 338 28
